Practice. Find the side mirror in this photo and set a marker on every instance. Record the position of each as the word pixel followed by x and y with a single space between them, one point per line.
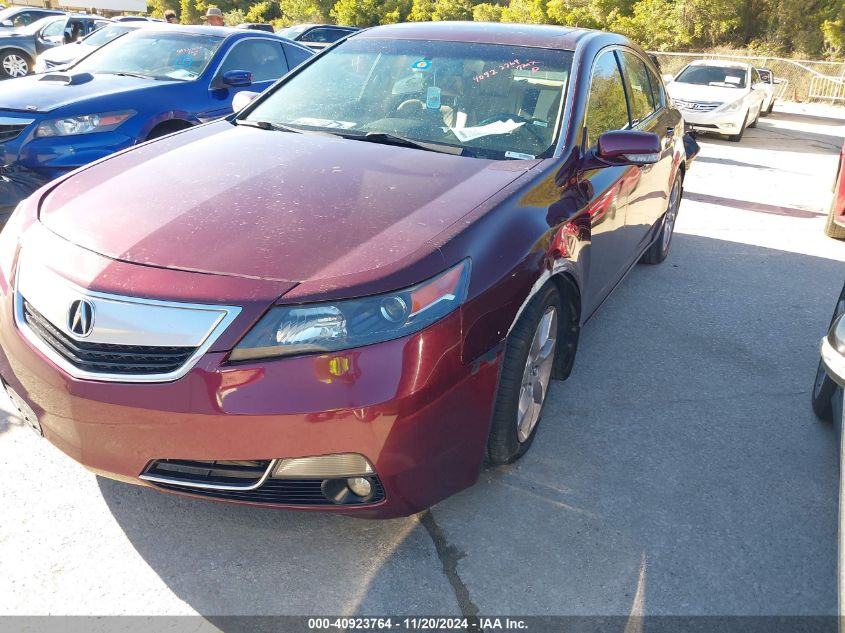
pixel 242 100
pixel 668 78
pixel 7 23
pixel 237 78
pixel 624 147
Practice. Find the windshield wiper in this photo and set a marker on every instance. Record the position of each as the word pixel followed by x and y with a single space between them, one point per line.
pixel 266 125
pixel 394 139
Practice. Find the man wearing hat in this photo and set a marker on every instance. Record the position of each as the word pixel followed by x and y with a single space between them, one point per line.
pixel 213 17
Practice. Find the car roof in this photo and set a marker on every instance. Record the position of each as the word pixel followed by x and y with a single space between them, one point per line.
pixel 200 29
pixel 537 35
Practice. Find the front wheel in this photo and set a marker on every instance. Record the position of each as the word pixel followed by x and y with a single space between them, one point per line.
pixel 736 138
pixel 14 64
pixel 526 375
pixel 659 249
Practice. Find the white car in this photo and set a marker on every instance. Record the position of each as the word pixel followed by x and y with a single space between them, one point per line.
pixel 718 96
pixel 61 56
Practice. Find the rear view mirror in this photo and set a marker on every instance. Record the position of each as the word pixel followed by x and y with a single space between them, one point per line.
pixel 237 78
pixel 242 100
pixel 668 78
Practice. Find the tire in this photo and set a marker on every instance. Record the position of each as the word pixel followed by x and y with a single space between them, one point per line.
pixel 757 118
pixel 736 138
pixel 659 249
pixel 14 63
pixel 823 385
pixel 512 433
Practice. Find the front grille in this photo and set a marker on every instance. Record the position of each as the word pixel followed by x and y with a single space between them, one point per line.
pixel 216 472
pixel 9 132
pixel 696 106
pixel 106 358
pixel 300 492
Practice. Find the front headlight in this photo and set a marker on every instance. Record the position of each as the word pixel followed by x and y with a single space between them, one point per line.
pixel 339 325
pixel 732 107
pixel 85 124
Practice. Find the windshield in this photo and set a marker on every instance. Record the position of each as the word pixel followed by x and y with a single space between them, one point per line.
pixel 154 54
pixel 488 100
pixel 106 34
pixel 721 76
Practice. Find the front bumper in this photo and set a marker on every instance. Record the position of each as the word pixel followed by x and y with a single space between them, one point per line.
pixel 410 406
pixel 56 155
pixel 714 122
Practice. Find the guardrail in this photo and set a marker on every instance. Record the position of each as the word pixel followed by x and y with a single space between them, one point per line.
pixel 801 79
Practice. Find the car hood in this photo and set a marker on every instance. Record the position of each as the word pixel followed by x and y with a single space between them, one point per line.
pixel 272 205
pixel 694 92
pixel 35 94
pixel 68 52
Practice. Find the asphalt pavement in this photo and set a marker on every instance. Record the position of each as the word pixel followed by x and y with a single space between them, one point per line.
pixel 679 470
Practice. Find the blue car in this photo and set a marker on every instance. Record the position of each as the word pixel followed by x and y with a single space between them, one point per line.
pixel 143 85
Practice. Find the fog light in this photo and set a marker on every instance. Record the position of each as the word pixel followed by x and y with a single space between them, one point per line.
pixel 360 486
pixel 323 467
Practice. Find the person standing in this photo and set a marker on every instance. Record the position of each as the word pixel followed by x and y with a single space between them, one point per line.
pixel 213 17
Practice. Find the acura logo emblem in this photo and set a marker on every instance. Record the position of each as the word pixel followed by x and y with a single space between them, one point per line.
pixel 80 317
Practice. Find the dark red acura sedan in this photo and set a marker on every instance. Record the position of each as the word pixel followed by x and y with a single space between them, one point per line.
pixel 351 294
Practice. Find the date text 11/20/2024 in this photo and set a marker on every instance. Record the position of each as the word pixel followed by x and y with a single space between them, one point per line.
pixel 417 624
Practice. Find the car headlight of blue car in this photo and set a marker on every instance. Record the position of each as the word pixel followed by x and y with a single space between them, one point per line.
pixel 83 124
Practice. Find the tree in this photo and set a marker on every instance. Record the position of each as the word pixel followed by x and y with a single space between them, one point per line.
pixel 358 12
pixel 452 10
pixel 525 11
pixel 487 12
pixel 188 12
pixel 234 17
pixel 421 10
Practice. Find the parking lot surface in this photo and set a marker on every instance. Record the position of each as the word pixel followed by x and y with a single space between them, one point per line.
pixel 679 470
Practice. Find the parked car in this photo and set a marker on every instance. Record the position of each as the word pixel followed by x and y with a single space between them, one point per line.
pixel 19 47
pixel 256 26
pixel 767 76
pixel 145 84
pixel 16 17
pixel 346 295
pixel 717 96
pixel 316 36
pixel 835 225
pixel 63 56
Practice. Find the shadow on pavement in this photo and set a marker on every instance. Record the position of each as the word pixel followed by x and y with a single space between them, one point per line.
pixel 678 471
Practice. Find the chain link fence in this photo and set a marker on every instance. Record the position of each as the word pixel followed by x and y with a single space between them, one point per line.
pixel 800 80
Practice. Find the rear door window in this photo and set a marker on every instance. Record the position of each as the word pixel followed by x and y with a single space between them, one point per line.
pixel 640 96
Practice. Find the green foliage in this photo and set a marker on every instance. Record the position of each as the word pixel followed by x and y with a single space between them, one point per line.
pixel 525 12
pixel 234 17
pixel 790 27
pixel 452 10
pixel 487 12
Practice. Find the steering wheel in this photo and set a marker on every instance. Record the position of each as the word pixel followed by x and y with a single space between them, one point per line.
pixel 505 116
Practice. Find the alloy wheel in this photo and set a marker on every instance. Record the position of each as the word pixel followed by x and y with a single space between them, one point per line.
pixel 537 374
pixel 671 215
pixel 15 66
